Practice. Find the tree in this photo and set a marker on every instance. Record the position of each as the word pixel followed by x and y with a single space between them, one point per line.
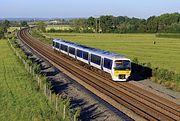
pixel 91 24
pixel 122 28
pixel 152 24
pixel 24 24
pixel 41 26
pixel 142 26
pixel 4 25
pixel 107 24
pixel 173 28
pixel 1 32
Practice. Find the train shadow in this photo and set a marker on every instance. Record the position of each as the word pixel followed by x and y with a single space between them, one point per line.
pixel 50 72
pixel 90 113
pixel 58 87
pixel 87 113
pixel 35 60
pixel 140 72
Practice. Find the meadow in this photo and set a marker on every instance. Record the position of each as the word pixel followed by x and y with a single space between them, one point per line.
pixel 160 52
pixel 11 29
pixel 58 27
pixel 19 98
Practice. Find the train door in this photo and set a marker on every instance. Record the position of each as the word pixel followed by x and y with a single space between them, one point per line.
pixel 102 63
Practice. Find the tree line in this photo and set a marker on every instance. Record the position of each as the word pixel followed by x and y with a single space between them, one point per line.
pixel 4 25
pixel 165 23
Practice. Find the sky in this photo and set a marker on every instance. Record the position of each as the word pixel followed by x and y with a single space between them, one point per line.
pixel 86 8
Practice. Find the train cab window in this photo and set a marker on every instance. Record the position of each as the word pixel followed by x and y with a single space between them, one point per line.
pixel 122 65
pixel 79 53
pixel 107 63
pixel 85 55
pixel 72 50
pixel 64 47
pixel 53 43
pixel 96 59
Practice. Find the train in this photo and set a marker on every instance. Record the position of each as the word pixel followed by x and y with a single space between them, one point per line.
pixel 117 65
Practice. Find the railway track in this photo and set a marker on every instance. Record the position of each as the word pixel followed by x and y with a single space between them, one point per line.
pixel 144 104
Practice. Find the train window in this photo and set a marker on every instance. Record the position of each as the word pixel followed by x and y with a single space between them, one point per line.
pixel 72 50
pixel 57 45
pixel 85 55
pixel 53 43
pixel 61 46
pixel 79 53
pixel 64 47
pixel 107 63
pixel 96 59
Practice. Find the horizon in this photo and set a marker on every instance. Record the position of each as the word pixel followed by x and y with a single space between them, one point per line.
pixel 84 9
pixel 40 18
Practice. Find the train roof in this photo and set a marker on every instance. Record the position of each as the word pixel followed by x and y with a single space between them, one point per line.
pixel 93 50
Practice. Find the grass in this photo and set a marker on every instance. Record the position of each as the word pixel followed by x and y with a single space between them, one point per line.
pixel 11 29
pixel 37 34
pixel 163 54
pixel 19 98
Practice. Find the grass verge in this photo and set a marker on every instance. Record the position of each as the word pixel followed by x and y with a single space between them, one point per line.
pixel 19 97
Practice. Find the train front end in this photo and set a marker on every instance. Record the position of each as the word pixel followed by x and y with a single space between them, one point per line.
pixel 121 69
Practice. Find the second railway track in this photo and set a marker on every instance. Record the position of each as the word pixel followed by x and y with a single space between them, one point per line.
pixel 143 103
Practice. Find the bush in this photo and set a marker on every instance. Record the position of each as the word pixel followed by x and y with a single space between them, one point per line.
pixel 52 30
pixel 162 76
pixel 168 35
pixel 135 60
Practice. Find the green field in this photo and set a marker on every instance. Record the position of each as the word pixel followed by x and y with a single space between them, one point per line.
pixel 165 53
pixel 11 29
pixel 58 27
pixel 19 98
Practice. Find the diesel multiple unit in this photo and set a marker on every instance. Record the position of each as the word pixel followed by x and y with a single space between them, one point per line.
pixel 119 66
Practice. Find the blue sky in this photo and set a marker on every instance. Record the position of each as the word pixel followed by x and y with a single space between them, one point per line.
pixel 86 8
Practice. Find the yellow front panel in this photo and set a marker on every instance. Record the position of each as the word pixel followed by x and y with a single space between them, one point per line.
pixel 123 72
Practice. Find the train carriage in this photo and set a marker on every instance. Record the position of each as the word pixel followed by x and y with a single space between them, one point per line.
pixel 119 66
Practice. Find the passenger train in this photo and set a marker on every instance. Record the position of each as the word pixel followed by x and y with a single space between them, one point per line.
pixel 118 66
